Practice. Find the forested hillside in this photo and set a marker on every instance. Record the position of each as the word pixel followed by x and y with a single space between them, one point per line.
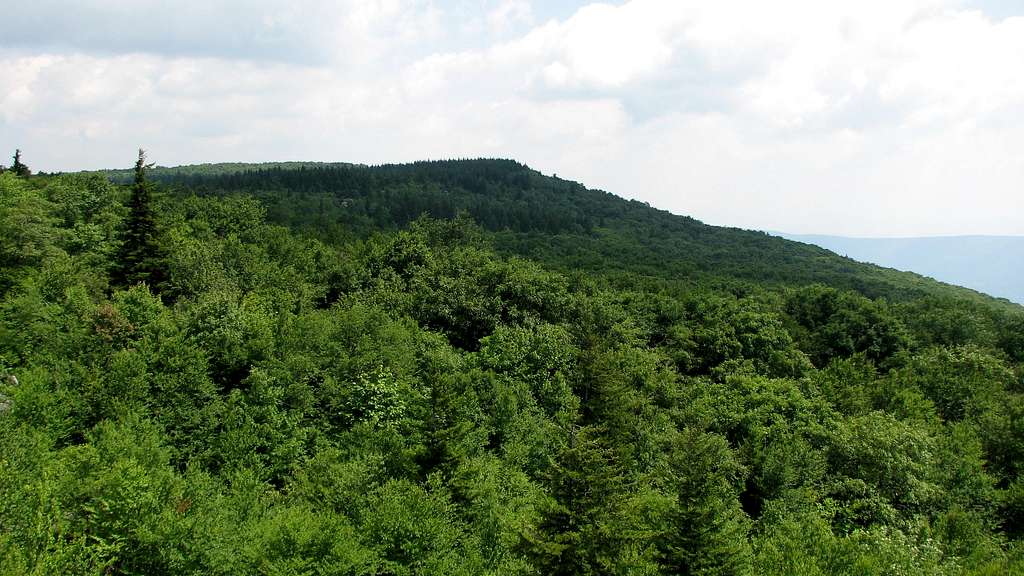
pixel 292 371
pixel 555 221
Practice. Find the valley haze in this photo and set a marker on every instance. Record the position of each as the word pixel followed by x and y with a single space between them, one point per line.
pixel 990 264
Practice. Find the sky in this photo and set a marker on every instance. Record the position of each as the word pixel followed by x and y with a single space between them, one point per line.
pixel 867 118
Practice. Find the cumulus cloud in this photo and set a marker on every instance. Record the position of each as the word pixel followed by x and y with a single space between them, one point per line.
pixel 894 117
pixel 509 13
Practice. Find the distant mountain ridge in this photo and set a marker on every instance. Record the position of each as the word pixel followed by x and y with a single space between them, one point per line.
pixel 990 264
pixel 558 222
pixel 124 175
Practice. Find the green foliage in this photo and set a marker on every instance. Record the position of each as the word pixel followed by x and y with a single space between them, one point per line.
pixel 705 530
pixel 962 382
pixel 26 229
pixel 834 324
pixel 18 168
pixel 884 471
pixel 305 375
pixel 139 259
pixel 575 533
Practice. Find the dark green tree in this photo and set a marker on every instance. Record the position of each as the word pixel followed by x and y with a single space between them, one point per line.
pixel 139 258
pixel 579 533
pixel 18 168
pixel 705 530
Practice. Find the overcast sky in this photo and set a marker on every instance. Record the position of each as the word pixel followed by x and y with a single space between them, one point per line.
pixel 872 118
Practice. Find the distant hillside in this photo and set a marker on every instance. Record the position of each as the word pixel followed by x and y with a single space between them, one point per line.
pixel 990 264
pixel 125 175
pixel 555 221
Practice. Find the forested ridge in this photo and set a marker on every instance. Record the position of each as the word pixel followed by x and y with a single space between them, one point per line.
pixel 466 367
pixel 558 222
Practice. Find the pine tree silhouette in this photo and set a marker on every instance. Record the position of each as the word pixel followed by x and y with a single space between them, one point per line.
pixel 139 259
pixel 18 168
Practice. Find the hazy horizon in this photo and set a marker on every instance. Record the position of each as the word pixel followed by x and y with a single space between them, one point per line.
pixel 993 265
pixel 924 237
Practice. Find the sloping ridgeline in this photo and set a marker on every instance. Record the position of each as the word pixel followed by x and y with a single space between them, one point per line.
pixel 361 391
pixel 552 220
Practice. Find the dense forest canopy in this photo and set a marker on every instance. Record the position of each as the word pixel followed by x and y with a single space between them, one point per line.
pixel 466 367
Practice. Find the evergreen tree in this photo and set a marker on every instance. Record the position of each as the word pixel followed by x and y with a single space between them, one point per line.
pixel 705 532
pixel 579 532
pixel 18 168
pixel 139 257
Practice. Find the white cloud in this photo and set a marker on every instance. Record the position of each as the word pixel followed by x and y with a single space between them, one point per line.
pixel 607 46
pixel 894 117
pixel 508 14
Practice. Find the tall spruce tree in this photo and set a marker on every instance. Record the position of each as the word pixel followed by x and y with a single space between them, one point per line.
pixel 705 531
pixel 578 533
pixel 139 257
pixel 18 168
